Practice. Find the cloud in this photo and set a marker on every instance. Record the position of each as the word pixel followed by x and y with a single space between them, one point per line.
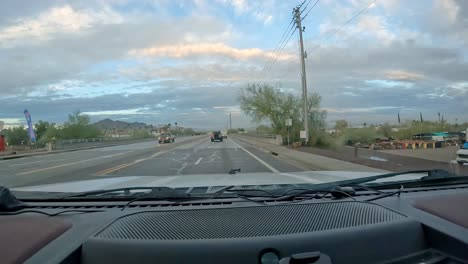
pixel 205 49
pixel 62 19
pixel 158 62
pixel 399 75
pixel 125 112
pixel 360 110
pixel 24 68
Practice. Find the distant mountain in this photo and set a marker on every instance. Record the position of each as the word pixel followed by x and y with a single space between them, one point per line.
pixel 110 124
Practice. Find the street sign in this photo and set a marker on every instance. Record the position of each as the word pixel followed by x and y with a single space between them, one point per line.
pixel 289 122
pixel 303 134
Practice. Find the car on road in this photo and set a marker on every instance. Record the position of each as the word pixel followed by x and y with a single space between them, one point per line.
pixel 224 134
pixel 166 138
pixel 216 136
pixel 462 154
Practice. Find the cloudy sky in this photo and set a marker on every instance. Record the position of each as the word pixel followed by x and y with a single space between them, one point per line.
pixel 181 61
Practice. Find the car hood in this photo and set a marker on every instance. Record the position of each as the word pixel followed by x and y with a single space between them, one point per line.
pixel 208 180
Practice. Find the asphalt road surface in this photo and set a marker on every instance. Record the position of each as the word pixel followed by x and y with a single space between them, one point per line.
pixel 190 155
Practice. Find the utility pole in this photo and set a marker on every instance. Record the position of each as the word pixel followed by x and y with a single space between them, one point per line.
pixel 297 15
pixel 230 121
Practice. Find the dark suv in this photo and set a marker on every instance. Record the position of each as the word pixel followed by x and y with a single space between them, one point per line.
pixel 216 135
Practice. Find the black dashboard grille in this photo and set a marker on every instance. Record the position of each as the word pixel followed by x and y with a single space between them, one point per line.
pixel 247 221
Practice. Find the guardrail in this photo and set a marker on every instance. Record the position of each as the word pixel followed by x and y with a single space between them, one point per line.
pixel 81 140
pixel 269 138
pixel 272 136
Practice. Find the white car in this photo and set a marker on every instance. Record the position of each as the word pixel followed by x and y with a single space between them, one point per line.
pixel 462 154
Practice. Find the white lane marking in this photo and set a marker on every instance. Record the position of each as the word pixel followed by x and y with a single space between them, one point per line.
pixel 198 161
pixel 21 164
pixel 257 158
pixel 72 163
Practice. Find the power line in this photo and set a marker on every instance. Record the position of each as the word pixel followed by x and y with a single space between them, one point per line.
pixel 305 7
pixel 288 29
pixel 346 23
pixel 278 54
pixel 309 9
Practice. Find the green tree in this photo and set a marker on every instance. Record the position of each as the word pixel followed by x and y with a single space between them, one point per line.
pixel 51 134
pixel 78 126
pixel 265 103
pixel 340 126
pixel 17 135
pixel 77 118
pixel 386 130
pixel 41 127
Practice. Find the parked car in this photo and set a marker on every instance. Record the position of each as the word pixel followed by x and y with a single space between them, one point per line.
pixel 216 136
pixel 462 154
pixel 166 138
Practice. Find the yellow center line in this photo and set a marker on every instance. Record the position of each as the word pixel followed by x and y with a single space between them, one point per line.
pixel 69 164
pixel 111 169
pixel 125 165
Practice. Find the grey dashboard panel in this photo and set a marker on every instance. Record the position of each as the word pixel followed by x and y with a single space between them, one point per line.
pixel 246 222
pixel 347 232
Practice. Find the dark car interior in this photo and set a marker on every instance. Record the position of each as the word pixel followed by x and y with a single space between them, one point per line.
pixel 410 225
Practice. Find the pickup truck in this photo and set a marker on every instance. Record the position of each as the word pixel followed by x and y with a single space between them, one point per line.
pixel 166 138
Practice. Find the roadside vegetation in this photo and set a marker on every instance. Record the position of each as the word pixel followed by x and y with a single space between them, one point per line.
pixel 78 126
pixel 265 103
pixel 269 105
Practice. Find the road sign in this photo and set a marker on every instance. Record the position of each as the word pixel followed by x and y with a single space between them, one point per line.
pixel 289 122
pixel 303 134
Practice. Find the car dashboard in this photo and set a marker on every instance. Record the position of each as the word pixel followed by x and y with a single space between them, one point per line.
pixel 421 225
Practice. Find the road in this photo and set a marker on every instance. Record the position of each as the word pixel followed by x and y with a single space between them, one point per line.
pixel 190 155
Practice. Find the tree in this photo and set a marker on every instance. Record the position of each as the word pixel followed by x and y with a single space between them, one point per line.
pixel 41 127
pixel 386 130
pixel 77 118
pixel 51 134
pixel 78 126
pixel 265 103
pixel 340 126
pixel 17 135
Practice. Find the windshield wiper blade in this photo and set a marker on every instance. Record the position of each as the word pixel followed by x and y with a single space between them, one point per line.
pixel 431 174
pixel 155 192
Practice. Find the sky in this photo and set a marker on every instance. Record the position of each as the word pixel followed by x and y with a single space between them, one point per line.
pixel 166 61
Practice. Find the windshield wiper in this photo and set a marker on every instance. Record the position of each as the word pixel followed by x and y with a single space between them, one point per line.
pixel 338 189
pixel 431 174
pixel 126 192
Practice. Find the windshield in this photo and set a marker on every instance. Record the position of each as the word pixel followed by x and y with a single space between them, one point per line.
pixel 187 94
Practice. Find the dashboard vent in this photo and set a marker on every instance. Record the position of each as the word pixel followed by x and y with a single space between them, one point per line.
pixel 247 221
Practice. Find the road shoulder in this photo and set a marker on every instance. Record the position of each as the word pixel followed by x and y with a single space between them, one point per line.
pixel 308 160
